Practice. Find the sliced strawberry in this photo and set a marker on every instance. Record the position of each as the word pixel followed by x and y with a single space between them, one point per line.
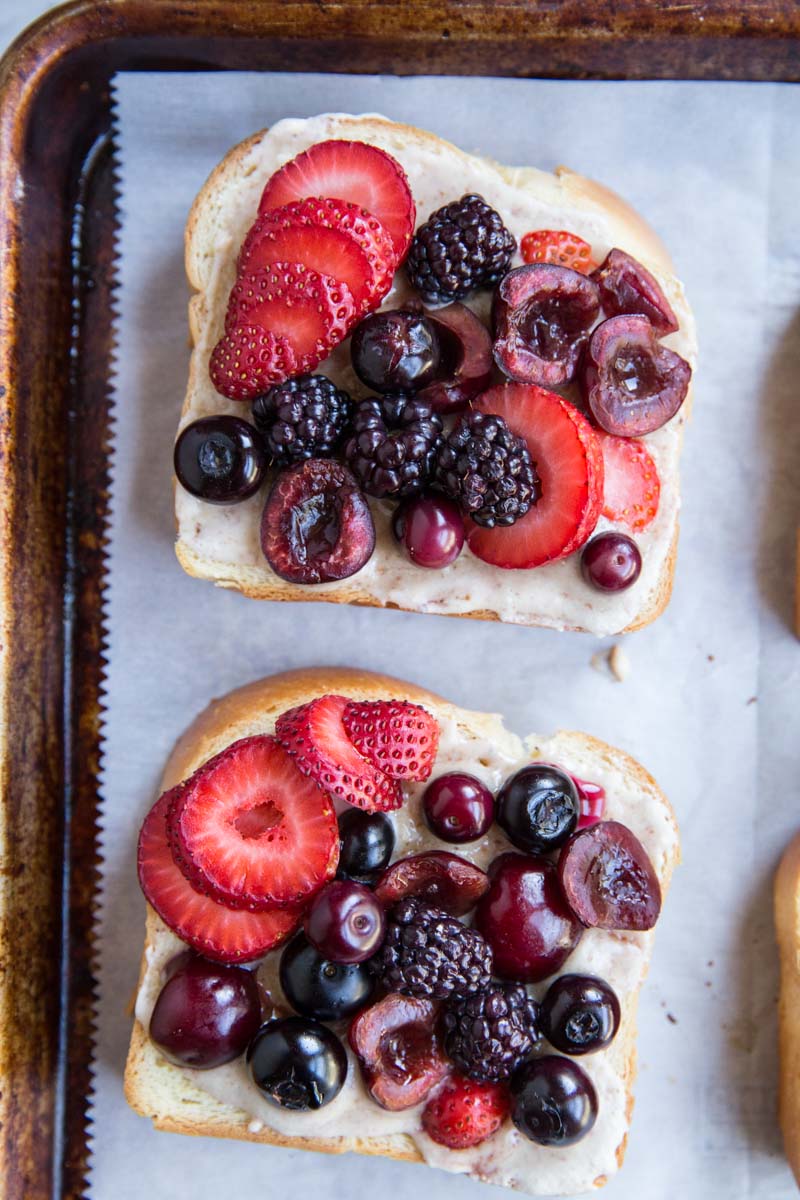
pixel 569 462
pixel 560 247
pixel 632 487
pixel 315 736
pixel 251 831
pixel 352 171
pixel 224 934
pixel 397 737
pixel 312 312
pixel 328 236
pixel 248 360
pixel 465 1113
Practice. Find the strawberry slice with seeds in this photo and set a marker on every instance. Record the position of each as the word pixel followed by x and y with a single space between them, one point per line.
pixel 248 360
pixel 465 1113
pixel 251 831
pixel 312 312
pixel 569 462
pixel 560 247
pixel 329 236
pixel 352 171
pixel 315 736
pixel 397 737
pixel 223 934
pixel 632 486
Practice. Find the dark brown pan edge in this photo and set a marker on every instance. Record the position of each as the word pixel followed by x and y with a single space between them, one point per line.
pixel 56 283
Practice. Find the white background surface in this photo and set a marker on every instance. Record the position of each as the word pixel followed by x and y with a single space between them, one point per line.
pixel 710 706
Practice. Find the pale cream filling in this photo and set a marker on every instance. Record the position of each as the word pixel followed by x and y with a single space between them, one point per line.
pixel 554 595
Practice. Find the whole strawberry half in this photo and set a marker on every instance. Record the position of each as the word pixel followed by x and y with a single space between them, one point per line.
pixel 315 736
pixel 220 933
pixel 351 171
pixel 569 462
pixel 397 737
pixel 252 831
pixel 465 1113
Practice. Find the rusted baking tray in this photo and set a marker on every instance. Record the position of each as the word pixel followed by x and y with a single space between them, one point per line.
pixel 57 228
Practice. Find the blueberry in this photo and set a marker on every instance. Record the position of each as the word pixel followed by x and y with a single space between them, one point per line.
pixel 220 460
pixel 554 1102
pixel 317 987
pixel 580 1014
pixel 297 1063
pixel 538 808
pixel 366 842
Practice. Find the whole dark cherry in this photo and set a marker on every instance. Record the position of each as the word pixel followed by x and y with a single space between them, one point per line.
pixel 611 562
pixel 580 1014
pixel 205 1014
pixel 430 529
pixel 554 1102
pixel 297 1063
pixel 458 807
pixel 220 459
pixel 395 351
pixel 345 922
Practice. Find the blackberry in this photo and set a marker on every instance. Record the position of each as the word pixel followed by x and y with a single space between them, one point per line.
pixel 393 445
pixel 461 247
pixel 488 470
pixel 428 953
pixel 488 1035
pixel 302 418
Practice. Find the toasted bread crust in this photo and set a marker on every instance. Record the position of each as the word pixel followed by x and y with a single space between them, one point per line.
pixel 627 227
pixel 787 927
pixel 165 1093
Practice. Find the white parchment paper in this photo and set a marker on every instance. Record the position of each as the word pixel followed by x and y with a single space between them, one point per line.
pixel 710 706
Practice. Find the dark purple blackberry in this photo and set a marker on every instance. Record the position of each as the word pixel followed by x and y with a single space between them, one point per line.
pixel 488 1035
pixel 428 953
pixel 393 445
pixel 461 247
pixel 488 470
pixel 302 418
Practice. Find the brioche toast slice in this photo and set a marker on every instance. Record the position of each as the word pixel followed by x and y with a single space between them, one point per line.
pixel 222 543
pixel 223 1103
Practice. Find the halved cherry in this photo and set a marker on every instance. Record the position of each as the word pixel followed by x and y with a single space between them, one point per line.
pixel 440 878
pixel 628 287
pixel 398 1050
pixel 608 878
pixel 466 367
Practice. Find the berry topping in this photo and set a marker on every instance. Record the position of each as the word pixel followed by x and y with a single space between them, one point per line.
pixel 559 247
pixel 458 807
pixel 396 351
pixel 351 171
pixel 392 450
pixel 251 830
pixel 219 459
pixel 461 247
pixel 542 317
pixel 611 562
pixel 366 842
pixel 398 1050
pixel 302 418
pixel 525 918
pixel 437 877
pixel 330 237
pixel 554 1102
pixel 466 361
pixel 315 736
pixel 428 953
pixel 580 1014
pixel 488 470
pixel 628 287
pixel 399 738
pixel 465 1113
pixel 593 802
pixel 312 312
pixel 569 463
pixel 319 988
pixel 608 878
pixel 632 487
pixel 538 808
pixel 345 922
pixel 316 526
pixel 249 359
pixel 298 1064
pixel 223 934
pixel 205 1014
pixel 631 382
pixel 430 530
pixel 489 1035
